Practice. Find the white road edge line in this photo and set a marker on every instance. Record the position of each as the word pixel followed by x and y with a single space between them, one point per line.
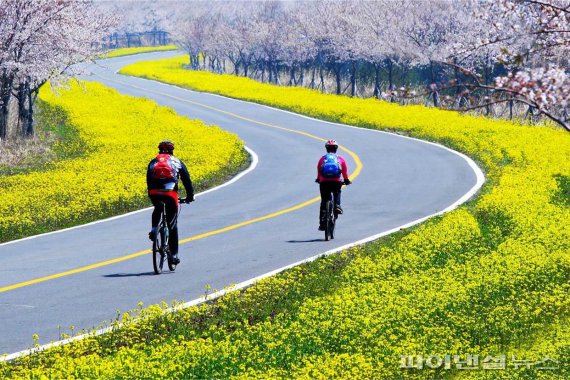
pixel 242 285
pixel 252 166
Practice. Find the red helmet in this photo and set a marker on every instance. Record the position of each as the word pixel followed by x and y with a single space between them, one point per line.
pixel 166 146
pixel 331 143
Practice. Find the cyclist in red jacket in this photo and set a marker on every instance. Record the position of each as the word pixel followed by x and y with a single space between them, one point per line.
pixel 330 168
pixel 162 177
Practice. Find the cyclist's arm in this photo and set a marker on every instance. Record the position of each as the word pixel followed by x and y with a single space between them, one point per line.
pixel 149 176
pixel 343 167
pixel 186 180
pixel 319 164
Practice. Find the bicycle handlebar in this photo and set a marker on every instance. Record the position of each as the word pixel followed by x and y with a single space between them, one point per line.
pixel 344 183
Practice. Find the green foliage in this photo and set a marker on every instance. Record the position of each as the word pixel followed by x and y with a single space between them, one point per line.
pixel 561 195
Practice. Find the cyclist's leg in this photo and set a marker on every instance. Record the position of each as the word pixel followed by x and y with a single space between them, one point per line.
pixel 336 189
pixel 171 203
pixel 324 188
pixel 155 219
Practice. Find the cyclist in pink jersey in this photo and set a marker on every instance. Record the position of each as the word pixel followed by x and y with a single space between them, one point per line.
pixel 332 173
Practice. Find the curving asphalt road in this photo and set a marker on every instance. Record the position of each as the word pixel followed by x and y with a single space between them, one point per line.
pixel 402 180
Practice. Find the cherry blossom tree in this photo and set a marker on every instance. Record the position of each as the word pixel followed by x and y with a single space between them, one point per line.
pixel 382 40
pixel 193 34
pixel 39 41
pixel 531 38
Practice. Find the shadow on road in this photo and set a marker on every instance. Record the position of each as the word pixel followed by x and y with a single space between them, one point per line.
pixel 115 275
pixel 304 241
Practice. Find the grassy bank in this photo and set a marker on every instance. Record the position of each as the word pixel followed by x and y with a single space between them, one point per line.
pixel 491 278
pixel 99 168
pixel 54 140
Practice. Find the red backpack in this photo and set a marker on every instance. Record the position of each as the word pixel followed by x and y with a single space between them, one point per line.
pixel 163 169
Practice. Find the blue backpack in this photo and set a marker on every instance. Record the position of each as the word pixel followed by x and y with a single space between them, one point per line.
pixel 330 168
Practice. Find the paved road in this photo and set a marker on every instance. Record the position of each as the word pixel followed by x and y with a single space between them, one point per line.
pixel 401 180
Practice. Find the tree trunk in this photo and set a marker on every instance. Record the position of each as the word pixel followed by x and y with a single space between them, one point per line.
pixel 193 62
pixel 376 80
pixel 435 98
pixel 530 114
pixel 337 73
pixel 353 79
pixel 13 125
pixel 312 84
pixel 292 80
pixel 22 108
pixel 301 81
pixel 236 64
pixel 5 95
pixel 276 79
pixel 30 122
pixel 459 98
pixel 3 121
pixel 390 66
pixel 431 72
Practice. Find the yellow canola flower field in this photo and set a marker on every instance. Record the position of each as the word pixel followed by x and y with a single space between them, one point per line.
pixel 136 50
pixel 121 135
pixel 490 279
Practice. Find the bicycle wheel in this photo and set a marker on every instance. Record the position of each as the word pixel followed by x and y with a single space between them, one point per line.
pixel 158 251
pixel 332 218
pixel 171 265
pixel 166 248
pixel 329 227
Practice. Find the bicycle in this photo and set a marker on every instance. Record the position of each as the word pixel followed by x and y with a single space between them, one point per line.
pixel 331 214
pixel 331 217
pixel 160 246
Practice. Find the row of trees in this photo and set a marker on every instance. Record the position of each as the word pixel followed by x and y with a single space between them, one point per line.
pixel 136 39
pixel 499 50
pixel 39 41
pixel 139 23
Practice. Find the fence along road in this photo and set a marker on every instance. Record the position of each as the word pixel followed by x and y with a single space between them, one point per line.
pixel 266 220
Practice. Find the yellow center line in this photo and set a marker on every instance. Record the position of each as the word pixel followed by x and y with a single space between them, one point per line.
pixel 354 174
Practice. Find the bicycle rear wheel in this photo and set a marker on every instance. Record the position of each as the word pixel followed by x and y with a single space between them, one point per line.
pixel 171 265
pixel 158 250
pixel 330 222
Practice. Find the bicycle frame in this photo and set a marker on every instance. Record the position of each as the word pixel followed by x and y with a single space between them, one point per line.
pixel 160 247
pixel 331 217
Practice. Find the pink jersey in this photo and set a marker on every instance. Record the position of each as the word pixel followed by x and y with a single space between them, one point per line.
pixel 343 168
